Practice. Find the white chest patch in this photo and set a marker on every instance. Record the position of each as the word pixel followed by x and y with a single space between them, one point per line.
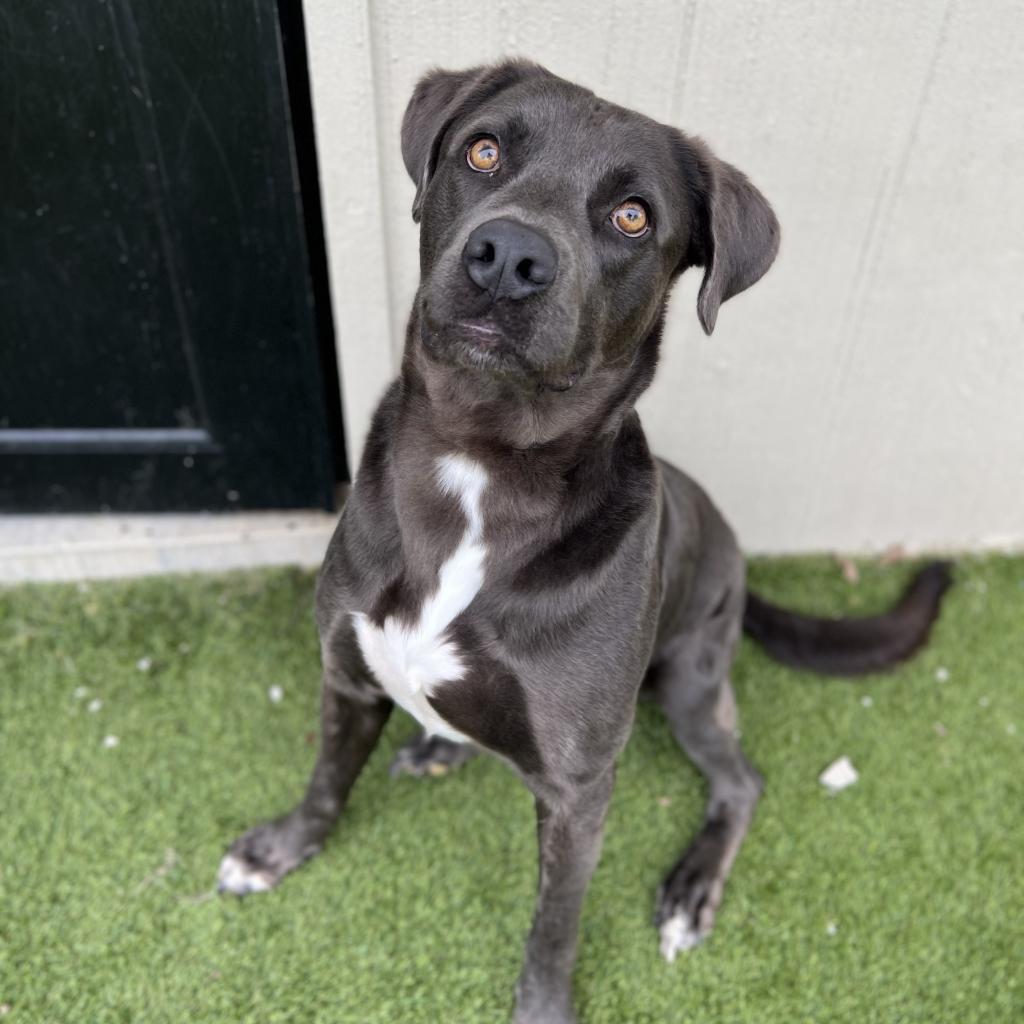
pixel 410 661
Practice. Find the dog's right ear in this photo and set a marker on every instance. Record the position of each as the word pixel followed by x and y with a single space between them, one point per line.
pixel 438 99
pixel 428 114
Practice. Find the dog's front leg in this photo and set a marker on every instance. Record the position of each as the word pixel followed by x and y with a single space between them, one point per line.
pixel 352 717
pixel 570 821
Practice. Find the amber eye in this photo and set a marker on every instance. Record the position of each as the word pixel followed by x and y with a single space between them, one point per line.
pixel 631 218
pixel 483 155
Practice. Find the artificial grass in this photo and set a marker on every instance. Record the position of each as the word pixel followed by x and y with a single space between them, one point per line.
pixel 901 899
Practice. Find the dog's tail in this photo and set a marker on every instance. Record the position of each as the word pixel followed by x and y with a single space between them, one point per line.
pixel 851 647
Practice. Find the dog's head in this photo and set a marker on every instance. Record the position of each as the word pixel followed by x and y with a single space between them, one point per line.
pixel 553 224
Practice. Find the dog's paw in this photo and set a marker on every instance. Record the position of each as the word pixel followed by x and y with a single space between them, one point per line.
pixel 236 876
pixel 686 908
pixel 691 894
pixel 430 755
pixel 258 860
pixel 677 934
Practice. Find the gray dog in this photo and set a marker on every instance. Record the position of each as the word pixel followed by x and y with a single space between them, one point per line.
pixel 513 567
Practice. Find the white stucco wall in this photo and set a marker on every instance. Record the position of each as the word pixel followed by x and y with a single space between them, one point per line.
pixel 870 390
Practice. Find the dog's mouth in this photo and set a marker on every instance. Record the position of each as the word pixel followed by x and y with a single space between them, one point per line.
pixel 476 343
pixel 482 334
pixel 482 344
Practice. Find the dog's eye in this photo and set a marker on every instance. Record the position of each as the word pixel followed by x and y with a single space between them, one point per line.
pixel 631 218
pixel 483 155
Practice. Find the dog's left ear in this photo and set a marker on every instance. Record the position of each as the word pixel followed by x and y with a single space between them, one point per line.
pixel 739 234
pixel 438 99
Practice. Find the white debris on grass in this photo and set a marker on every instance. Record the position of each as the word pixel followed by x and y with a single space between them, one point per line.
pixel 848 567
pixel 109 742
pixel 81 692
pixel 144 664
pixel 839 775
pixel 942 674
pixel 831 928
pixel 94 705
pixel 893 554
pixel 866 701
pixel 276 694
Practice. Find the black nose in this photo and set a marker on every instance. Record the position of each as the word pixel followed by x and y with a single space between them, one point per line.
pixel 509 260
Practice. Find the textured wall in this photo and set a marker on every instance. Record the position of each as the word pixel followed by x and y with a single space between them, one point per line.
pixel 870 390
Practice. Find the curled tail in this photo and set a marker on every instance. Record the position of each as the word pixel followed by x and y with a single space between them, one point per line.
pixel 851 647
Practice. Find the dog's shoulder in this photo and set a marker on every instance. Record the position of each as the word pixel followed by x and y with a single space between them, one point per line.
pixel 367 531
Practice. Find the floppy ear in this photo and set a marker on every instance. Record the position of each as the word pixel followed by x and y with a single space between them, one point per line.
pixel 438 99
pixel 427 114
pixel 741 236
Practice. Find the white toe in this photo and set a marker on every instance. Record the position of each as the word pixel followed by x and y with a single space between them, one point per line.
pixel 234 876
pixel 677 935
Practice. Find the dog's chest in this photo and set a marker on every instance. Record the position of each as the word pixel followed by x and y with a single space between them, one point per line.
pixel 411 660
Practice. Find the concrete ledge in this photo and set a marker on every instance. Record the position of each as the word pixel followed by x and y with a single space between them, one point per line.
pixel 79 547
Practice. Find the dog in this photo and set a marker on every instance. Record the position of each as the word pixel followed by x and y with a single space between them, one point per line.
pixel 513 567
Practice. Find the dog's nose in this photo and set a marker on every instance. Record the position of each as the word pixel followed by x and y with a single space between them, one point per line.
pixel 509 260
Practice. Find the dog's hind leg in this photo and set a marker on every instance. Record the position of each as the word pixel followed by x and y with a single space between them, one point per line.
pixel 351 721
pixel 693 689
pixel 430 755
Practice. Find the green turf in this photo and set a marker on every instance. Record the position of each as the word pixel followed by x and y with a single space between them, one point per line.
pixel 417 909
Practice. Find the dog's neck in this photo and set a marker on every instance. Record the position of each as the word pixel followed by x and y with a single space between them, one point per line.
pixel 514 430
pixel 531 496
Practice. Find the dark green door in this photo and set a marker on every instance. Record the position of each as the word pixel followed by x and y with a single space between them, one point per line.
pixel 160 346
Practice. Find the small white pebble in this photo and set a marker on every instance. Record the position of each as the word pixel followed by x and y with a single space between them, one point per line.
pixel 831 928
pixel 94 705
pixel 942 674
pixel 1011 729
pixel 983 702
pixel 866 701
pixel 81 692
pixel 144 664
pixel 110 742
pixel 839 775
pixel 276 694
